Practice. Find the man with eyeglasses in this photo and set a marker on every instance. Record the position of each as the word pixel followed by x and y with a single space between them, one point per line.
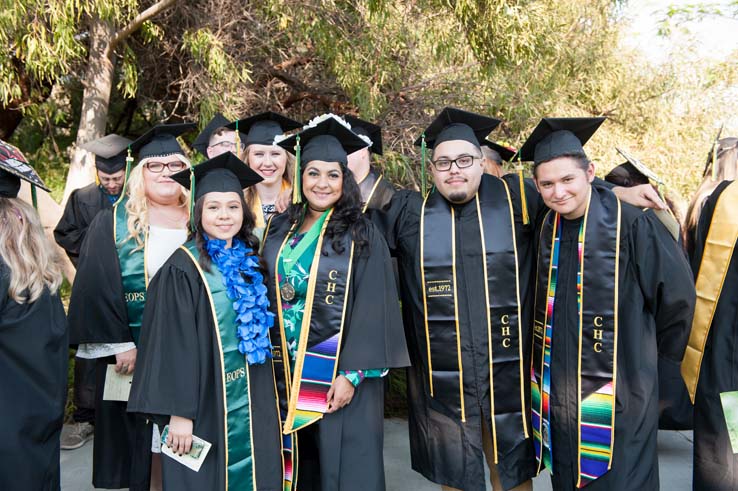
pixel 466 263
pixel 215 139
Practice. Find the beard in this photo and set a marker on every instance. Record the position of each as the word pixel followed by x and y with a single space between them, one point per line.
pixel 457 197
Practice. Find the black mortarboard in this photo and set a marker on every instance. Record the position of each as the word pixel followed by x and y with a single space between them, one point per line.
pixel 203 139
pixel 373 131
pixel 161 140
pixel 557 137
pixel 261 129
pixel 456 124
pixel 110 152
pixel 14 168
pixel 327 138
pixel 224 173
pixel 632 172
pixel 506 153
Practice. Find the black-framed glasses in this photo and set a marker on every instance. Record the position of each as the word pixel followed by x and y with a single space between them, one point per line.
pixel 157 167
pixel 227 145
pixel 462 162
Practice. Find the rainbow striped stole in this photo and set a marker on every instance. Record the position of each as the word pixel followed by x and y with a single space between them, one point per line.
pixel 597 303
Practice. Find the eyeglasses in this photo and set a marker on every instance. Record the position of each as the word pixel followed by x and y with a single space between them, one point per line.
pixel 157 167
pixel 462 162
pixel 226 145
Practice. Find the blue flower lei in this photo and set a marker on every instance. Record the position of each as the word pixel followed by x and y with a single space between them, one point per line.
pixel 245 286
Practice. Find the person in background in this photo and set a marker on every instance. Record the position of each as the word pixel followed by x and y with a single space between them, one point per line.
pixel 82 207
pixel 494 155
pixel 376 191
pixel 33 338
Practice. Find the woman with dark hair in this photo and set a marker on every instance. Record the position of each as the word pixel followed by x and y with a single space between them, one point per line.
pixel 339 328
pixel 204 363
pixel 33 338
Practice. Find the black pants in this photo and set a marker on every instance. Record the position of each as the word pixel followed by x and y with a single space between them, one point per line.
pixel 84 390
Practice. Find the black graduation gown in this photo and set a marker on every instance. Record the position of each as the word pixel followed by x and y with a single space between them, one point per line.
pixel 82 206
pixel 443 449
pixel 178 373
pixel 715 464
pixel 33 393
pixel 656 301
pixel 97 314
pixel 383 191
pixel 344 450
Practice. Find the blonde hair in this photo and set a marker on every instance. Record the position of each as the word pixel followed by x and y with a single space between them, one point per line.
pixel 250 193
pixel 726 166
pixel 137 206
pixel 33 260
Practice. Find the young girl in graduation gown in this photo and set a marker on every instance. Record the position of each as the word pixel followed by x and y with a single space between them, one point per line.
pixel 205 365
pixel 33 339
pixel 339 326
pixel 123 250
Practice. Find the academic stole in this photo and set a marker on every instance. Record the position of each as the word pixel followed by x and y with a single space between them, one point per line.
pixel 256 206
pixel 234 379
pixel 320 337
pixel 716 258
pixel 132 268
pixel 502 293
pixel 598 254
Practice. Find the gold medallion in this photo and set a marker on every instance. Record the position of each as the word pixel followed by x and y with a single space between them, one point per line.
pixel 287 291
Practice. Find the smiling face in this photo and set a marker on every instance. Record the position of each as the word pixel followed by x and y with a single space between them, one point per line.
pixel 269 161
pixel 455 184
pixel 322 184
pixel 564 184
pixel 222 215
pixel 159 187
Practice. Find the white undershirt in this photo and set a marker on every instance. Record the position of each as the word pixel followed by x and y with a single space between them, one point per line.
pixel 161 244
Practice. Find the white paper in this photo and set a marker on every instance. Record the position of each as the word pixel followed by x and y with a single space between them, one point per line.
pixel 192 460
pixel 117 385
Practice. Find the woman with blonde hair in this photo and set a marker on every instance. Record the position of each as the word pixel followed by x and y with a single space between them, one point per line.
pixel 123 250
pixel 33 338
pixel 722 165
pixel 273 163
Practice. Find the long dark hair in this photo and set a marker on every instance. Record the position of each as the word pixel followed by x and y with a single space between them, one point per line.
pixel 245 234
pixel 347 216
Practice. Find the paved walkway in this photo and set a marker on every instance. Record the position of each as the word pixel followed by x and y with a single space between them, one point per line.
pixel 675 461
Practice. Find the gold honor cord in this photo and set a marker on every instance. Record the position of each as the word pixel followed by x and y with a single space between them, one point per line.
pixel 425 298
pixel 716 258
pixel 371 193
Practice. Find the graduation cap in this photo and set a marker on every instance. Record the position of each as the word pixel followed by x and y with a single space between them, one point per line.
pixel 457 124
pixel 371 130
pixel 633 172
pixel 202 141
pixel 506 153
pixel 161 140
pixel 110 152
pixel 222 174
pixel 557 137
pixel 261 129
pixel 327 138
pixel 14 168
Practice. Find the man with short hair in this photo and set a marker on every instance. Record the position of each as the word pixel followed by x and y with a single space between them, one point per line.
pixel 215 139
pixel 376 191
pixel 82 206
pixel 494 155
pixel 613 292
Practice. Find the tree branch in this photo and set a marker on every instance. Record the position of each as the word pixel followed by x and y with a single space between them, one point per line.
pixel 136 23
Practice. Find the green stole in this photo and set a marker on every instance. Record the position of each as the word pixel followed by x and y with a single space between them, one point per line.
pixel 239 457
pixel 597 280
pixel 502 291
pixel 132 268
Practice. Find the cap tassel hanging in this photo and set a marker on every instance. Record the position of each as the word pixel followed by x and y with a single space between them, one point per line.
pixel 237 143
pixel 129 164
pixel 192 199
pixel 423 150
pixel 714 162
pixel 297 180
pixel 523 200
pixel 34 197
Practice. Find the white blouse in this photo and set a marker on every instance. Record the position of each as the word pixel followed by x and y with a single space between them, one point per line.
pixel 161 244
